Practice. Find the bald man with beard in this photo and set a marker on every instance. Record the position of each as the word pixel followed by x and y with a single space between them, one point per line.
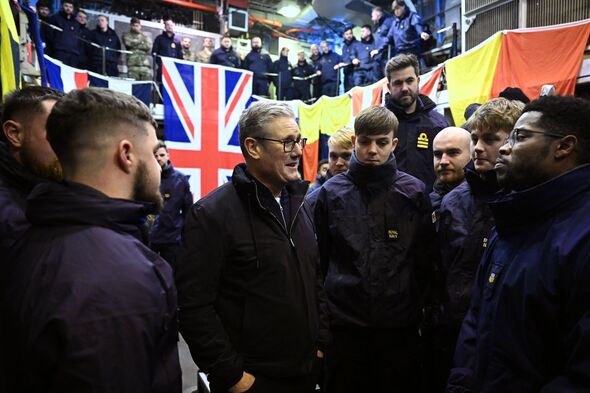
pixel 451 152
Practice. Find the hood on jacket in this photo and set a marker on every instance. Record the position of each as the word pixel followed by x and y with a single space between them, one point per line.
pixel 69 203
pixel 362 174
pixel 423 104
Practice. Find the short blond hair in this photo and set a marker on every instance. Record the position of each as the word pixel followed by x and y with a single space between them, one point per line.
pixel 342 138
pixel 495 115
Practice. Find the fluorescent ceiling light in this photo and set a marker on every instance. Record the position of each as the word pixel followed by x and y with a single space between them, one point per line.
pixel 289 11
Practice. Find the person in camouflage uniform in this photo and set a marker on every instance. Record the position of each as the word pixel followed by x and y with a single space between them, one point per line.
pixel 138 63
pixel 187 53
pixel 204 54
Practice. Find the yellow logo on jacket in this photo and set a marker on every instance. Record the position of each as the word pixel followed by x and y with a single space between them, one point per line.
pixel 392 234
pixel 422 141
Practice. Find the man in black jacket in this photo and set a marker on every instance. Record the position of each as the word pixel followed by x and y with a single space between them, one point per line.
pixel 165 234
pixel 26 158
pixel 249 284
pixel 225 55
pixel 377 250
pixel 166 45
pixel 260 64
pixel 106 37
pixel 63 45
pixel 88 306
pixel 301 71
pixel 419 122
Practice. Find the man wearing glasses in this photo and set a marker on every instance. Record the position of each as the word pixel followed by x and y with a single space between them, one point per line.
pixel 528 326
pixel 464 225
pixel 249 285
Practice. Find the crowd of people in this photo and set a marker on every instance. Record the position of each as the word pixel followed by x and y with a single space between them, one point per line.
pixel 426 258
pixel 361 62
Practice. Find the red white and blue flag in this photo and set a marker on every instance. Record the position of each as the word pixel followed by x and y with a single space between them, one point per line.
pixel 202 106
pixel 65 78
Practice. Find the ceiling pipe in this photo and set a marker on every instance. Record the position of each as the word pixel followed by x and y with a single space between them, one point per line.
pixel 301 30
pixel 189 4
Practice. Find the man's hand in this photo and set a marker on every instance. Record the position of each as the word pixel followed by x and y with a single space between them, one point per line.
pixel 244 384
pixel 355 62
pixel 374 52
pixel 320 354
pixel 424 36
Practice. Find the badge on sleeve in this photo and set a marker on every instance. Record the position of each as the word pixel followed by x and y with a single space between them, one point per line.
pixel 422 141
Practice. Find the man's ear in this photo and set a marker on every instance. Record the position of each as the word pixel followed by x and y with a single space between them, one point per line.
pixel 253 147
pixel 394 144
pixel 14 132
pixel 125 156
pixel 566 147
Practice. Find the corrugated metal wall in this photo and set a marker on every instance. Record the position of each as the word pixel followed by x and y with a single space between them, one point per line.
pixel 489 18
pixel 489 22
pixel 551 12
pixel 471 5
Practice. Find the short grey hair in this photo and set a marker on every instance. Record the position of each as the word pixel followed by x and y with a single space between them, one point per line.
pixel 255 119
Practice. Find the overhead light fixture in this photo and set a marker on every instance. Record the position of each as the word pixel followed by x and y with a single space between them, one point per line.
pixel 289 10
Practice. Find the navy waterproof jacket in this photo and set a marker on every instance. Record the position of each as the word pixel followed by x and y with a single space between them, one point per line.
pixel 88 307
pixel 380 31
pixel 167 46
pixel 259 63
pixel 107 39
pixel 377 247
pixel 405 32
pixel 66 40
pixel 528 326
pixel 176 192
pixel 464 225
pixel 326 66
pixel 249 286
pixel 415 135
pixel 364 48
pixel 16 182
pixel 349 53
pixel 225 57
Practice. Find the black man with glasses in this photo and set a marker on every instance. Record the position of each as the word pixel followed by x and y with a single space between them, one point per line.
pixel 464 224
pixel 250 294
pixel 377 251
pixel 528 326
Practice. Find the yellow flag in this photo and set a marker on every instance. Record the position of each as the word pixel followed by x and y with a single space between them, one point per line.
pixel 309 124
pixel 470 76
pixel 9 57
pixel 336 114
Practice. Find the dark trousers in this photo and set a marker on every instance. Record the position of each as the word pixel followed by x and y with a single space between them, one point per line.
pixel 373 360
pixel 110 68
pixel 364 77
pixel 260 87
pixel 349 80
pixel 68 58
pixel 330 89
pixel 439 361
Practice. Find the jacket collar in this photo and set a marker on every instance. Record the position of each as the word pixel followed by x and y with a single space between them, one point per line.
pixel 423 104
pixel 69 203
pixel 16 174
pixel 248 186
pixel 542 201
pixel 167 170
pixel 365 175
pixel 485 185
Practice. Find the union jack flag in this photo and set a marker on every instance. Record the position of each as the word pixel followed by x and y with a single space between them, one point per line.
pixel 202 106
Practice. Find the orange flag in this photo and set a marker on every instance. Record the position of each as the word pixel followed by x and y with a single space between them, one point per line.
pixel 531 58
